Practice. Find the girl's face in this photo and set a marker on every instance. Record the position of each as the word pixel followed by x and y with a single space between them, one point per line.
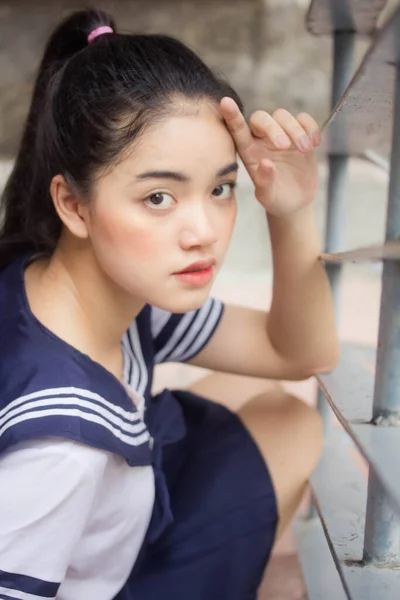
pixel 170 204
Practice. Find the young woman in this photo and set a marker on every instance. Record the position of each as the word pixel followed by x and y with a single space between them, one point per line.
pixel 117 217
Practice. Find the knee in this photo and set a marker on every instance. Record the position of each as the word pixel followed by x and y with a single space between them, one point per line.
pixel 288 433
pixel 307 423
pixel 286 429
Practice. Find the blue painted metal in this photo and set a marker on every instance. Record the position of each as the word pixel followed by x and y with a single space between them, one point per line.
pixel 379 445
pixel 362 120
pixel 363 116
pixel 387 385
pixel 334 234
pixel 363 582
pixel 340 490
pixel 343 58
pixel 382 527
pixel 381 448
pixel 360 16
pixel 382 534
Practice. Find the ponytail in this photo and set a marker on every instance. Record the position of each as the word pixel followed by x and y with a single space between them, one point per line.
pixel 30 222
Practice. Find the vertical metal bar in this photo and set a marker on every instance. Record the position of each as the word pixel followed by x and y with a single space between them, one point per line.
pixel 382 530
pixel 387 383
pixel 333 242
pixel 343 56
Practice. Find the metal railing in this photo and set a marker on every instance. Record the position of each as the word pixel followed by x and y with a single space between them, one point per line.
pixel 349 543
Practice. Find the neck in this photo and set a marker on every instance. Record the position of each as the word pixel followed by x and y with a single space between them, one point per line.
pixel 78 302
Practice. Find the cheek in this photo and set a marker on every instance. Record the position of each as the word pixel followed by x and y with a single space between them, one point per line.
pixel 131 237
pixel 229 222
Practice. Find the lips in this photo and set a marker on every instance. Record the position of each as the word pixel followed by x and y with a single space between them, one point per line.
pixel 200 265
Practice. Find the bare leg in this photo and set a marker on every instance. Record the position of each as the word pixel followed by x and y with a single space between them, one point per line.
pixel 286 430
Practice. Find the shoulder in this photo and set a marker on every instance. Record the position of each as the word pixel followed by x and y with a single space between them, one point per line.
pixel 48 388
pixel 69 459
pixel 79 415
pixel 49 476
pixel 49 491
pixel 180 336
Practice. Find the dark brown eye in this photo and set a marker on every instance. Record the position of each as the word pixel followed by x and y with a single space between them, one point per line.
pixel 224 190
pixel 159 200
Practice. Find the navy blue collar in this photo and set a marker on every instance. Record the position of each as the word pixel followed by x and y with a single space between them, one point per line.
pixel 48 387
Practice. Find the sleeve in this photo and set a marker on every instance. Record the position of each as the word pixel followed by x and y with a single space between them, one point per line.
pixel 179 337
pixel 46 496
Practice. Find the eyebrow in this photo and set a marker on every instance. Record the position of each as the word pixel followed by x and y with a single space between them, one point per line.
pixel 231 168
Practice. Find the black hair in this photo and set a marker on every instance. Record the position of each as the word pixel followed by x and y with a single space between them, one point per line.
pixel 90 103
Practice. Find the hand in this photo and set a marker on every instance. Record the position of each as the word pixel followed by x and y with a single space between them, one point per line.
pixel 277 152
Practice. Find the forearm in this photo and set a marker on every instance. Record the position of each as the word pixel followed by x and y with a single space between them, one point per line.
pixel 301 320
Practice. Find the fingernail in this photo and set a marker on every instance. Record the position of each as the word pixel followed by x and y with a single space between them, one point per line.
pixel 304 143
pixel 282 140
pixel 316 138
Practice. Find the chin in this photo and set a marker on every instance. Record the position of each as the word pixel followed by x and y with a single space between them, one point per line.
pixel 176 302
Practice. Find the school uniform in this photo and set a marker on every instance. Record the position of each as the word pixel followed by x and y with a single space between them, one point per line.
pixel 108 492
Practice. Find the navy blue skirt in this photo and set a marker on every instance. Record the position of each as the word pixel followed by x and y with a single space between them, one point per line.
pixel 215 515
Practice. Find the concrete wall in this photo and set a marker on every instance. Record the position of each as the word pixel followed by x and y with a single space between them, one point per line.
pixel 262 46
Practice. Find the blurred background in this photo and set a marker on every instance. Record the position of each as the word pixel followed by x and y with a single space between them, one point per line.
pixel 261 46
pixel 266 53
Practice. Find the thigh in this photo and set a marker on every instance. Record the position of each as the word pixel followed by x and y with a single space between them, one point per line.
pixel 225 513
pixel 288 434
pixel 287 431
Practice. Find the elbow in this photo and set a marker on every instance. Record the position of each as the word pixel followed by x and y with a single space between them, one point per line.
pixel 323 361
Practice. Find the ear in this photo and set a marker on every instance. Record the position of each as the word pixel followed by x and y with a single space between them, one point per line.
pixel 71 211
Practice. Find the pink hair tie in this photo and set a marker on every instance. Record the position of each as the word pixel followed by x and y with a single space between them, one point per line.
pixel 99 31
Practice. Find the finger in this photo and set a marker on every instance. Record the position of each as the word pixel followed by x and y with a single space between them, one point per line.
pixel 264 180
pixel 265 172
pixel 310 126
pixel 236 124
pixel 293 129
pixel 264 126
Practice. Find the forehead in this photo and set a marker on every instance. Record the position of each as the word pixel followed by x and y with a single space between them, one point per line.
pixel 184 141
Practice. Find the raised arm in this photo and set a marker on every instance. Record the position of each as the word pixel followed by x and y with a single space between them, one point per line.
pixel 297 337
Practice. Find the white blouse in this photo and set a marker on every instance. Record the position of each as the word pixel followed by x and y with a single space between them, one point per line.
pixel 71 513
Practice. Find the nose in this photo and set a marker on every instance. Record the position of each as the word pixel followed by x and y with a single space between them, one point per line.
pixel 198 229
